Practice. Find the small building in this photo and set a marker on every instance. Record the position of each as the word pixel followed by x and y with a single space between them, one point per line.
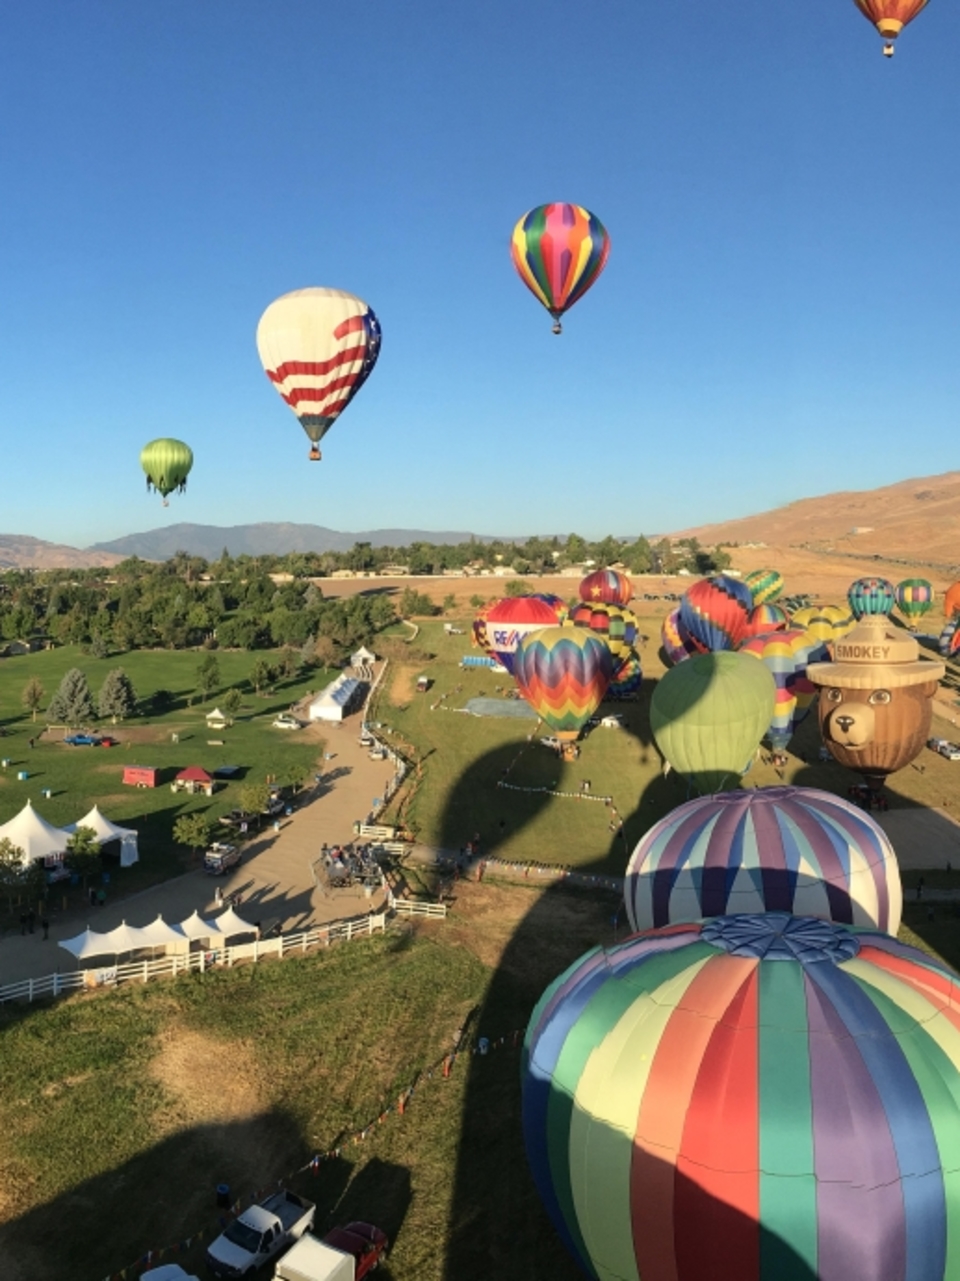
pixel 193 779
pixel 339 699
pixel 141 775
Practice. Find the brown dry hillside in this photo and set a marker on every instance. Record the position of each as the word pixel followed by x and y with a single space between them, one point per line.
pixel 18 551
pixel 914 521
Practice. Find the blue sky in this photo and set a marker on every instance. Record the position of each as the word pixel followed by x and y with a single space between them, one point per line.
pixel 778 317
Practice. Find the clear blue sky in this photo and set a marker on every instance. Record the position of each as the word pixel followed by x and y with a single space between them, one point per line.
pixel 779 316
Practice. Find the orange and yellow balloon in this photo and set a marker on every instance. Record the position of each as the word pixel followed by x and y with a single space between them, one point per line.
pixel 890 17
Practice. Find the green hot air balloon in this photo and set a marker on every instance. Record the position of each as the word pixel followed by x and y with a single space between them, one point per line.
pixel 167 464
pixel 709 714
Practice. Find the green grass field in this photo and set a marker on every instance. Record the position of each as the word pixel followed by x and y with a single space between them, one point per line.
pixel 82 776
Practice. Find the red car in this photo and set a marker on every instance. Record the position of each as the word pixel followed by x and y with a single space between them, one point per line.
pixel 367 1244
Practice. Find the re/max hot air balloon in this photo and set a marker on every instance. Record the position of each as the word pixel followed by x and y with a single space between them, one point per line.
pixel 889 17
pixel 785 655
pixel 507 621
pixel 563 673
pixel 675 643
pixel 765 585
pixel 166 463
pixel 709 714
pixel 871 596
pixel 559 251
pixel 606 587
pixel 715 612
pixel 768 849
pixel 914 598
pixel 618 626
pixel 750 1098
pixel 318 347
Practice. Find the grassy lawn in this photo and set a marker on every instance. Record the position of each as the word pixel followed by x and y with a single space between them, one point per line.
pixel 121 1111
pixel 82 776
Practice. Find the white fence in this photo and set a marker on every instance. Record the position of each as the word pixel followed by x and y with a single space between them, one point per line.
pixel 182 962
pixel 414 907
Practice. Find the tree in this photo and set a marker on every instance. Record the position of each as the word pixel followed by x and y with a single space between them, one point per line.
pixel 192 830
pixel 231 701
pixel 72 704
pixel 417 603
pixel 32 695
pixel 289 662
pixel 254 797
pixel 449 603
pixel 296 776
pixel 517 587
pixel 82 857
pixel 118 698
pixel 11 869
pixel 478 601
pixel 208 675
pixel 161 701
pixel 261 674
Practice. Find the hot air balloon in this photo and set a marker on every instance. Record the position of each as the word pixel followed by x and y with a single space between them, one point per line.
pixel 766 618
pixel 563 673
pixel 765 585
pixel 951 601
pixel 559 251
pixel 676 644
pixel 618 627
pixel 871 596
pixel 914 598
pixel 507 621
pixel 167 464
pixel 607 587
pixel 749 1098
pixel 715 612
pixel 949 641
pixel 785 655
pixel 628 678
pixel 709 714
pixel 824 624
pixel 771 849
pixel 318 347
pixel 556 602
pixel 890 17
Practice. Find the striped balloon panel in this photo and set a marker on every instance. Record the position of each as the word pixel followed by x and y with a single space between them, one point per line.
pixel 766 618
pixel 627 678
pixel 618 626
pixel 715 612
pixel 559 250
pixel 871 596
pixel 902 11
pixel 786 655
pixel 790 849
pixel 703 1106
pixel 608 587
pixel 563 673
pixel 507 621
pixel 765 585
pixel 915 597
pixel 675 646
pixel 166 463
pixel 950 637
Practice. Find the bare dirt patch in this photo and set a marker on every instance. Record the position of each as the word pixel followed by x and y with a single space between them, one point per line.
pixel 402 686
pixel 190 1067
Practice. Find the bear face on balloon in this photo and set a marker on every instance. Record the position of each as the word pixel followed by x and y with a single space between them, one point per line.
pixel 876 699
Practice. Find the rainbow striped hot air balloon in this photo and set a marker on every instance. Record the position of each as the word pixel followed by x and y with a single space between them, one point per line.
pixel 772 849
pixel 753 1098
pixel 676 644
pixel 563 673
pixel 715 612
pixel 871 596
pixel 627 679
pixel 765 585
pixel 559 251
pixel 766 618
pixel 914 598
pixel 618 627
pixel 503 625
pixel 606 587
pixel 785 655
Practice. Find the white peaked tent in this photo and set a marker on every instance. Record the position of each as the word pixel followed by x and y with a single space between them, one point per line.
pixel 107 831
pixel 35 836
pixel 228 923
pixel 87 944
pixel 194 928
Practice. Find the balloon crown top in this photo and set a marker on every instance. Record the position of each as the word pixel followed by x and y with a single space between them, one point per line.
pixel 778 936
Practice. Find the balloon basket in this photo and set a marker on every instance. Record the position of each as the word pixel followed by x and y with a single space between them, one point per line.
pixel 314 454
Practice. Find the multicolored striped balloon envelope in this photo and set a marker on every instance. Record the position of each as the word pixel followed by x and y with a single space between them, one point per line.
pixel 871 596
pixel 949 641
pixel 771 849
pixel 824 624
pixel 676 644
pixel 786 655
pixel 501 626
pixel 766 618
pixel 753 1098
pixel 915 598
pixel 765 585
pixel 559 251
pixel 627 678
pixel 715 611
pixel 618 626
pixel 318 347
pixel 563 673
pixel 608 587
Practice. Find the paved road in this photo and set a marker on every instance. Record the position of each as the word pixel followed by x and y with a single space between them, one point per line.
pixel 275 878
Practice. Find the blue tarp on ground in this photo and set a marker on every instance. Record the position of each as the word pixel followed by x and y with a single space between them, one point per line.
pixel 514 707
pixel 477 660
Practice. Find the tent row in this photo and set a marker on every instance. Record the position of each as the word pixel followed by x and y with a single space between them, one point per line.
pixel 41 841
pixel 132 938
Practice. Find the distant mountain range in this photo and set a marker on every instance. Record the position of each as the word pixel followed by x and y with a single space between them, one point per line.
pixel 266 539
pixel 18 551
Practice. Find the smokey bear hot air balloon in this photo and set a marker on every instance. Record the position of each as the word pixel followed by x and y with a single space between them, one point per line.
pixel 766 849
pixel 318 347
pixel 166 463
pixel 563 673
pixel 559 251
pixel 750 1098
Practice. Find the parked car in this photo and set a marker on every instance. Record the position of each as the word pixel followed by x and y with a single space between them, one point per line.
pixel 235 817
pixel 167 1272
pixel 345 1254
pixel 284 721
pixel 951 751
pixel 937 744
pixel 219 858
pixel 275 805
pixel 259 1234
pixel 82 740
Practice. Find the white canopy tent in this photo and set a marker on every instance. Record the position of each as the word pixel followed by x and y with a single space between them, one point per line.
pixel 194 928
pixel 108 831
pixel 228 923
pixel 132 938
pixel 87 944
pixel 35 836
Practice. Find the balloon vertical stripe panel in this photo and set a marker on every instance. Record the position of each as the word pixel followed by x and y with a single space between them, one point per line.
pixel 563 673
pixel 755 1098
pixel 558 251
pixel 794 849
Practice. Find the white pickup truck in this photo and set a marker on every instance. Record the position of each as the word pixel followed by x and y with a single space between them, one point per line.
pixel 259 1234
